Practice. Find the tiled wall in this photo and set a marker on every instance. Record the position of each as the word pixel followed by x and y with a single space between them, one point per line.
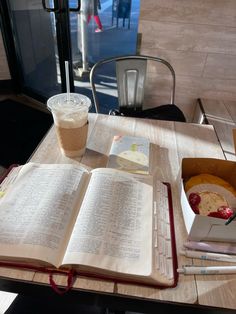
pixel 4 70
pixel 198 37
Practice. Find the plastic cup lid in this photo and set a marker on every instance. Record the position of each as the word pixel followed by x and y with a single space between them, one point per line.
pixel 76 102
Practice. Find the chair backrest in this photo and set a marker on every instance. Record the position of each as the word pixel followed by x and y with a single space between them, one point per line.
pixel 131 73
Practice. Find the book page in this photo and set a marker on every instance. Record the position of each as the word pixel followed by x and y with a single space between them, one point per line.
pixel 114 227
pixel 37 209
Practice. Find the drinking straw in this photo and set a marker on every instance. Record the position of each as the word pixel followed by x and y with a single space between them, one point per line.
pixel 67 81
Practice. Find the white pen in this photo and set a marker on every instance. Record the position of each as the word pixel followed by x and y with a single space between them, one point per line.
pixel 207 270
pixel 209 256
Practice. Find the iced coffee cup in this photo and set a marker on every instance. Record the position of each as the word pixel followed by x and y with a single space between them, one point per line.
pixel 70 115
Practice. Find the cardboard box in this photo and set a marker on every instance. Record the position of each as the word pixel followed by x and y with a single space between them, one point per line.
pixel 204 228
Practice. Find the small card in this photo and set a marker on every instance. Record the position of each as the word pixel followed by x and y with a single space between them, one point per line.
pixel 130 154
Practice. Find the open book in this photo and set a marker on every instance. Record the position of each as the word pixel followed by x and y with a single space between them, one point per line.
pixel 102 223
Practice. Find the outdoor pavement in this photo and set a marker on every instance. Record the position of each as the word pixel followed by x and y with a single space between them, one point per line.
pixel 115 39
pixel 119 37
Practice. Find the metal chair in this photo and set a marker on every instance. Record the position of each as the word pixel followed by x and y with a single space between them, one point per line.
pixel 131 72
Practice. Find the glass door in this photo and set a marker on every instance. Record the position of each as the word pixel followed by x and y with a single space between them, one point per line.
pixel 39 33
pixel 103 29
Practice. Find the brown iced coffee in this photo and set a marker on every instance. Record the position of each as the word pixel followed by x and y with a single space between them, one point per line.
pixel 70 116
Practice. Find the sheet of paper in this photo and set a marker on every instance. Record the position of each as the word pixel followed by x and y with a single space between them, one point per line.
pixel 36 210
pixel 114 226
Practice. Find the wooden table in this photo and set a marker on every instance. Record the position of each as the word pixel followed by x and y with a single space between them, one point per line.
pixel 171 141
pixel 222 115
